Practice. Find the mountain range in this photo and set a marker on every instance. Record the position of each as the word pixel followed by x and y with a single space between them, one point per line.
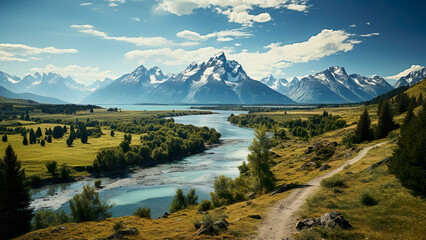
pixel 215 81
pixel 334 85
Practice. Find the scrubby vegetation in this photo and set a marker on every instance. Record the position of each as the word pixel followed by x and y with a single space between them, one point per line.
pixel 143 212
pixel 181 201
pixel 44 218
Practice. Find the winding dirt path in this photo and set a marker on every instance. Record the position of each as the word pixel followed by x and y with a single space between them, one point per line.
pixel 280 221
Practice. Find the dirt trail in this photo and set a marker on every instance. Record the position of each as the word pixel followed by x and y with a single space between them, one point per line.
pixel 280 221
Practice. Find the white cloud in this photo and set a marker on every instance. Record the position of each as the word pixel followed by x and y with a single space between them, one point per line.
pixel 138 41
pixel 352 25
pixel 406 72
pixel 236 10
pixel 220 35
pixel 112 5
pixel 237 44
pixel 11 52
pixel 86 4
pixel 136 19
pixel 370 34
pixel 224 39
pixel 85 75
pixel 257 64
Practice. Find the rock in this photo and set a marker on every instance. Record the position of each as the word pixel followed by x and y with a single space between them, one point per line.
pixel 378 163
pixel 62 228
pixel 309 150
pixel 330 220
pixel 307 165
pixel 249 203
pixel 347 154
pixel 179 219
pixel 256 216
pixel 332 144
pixel 237 220
pixel 324 167
pixel 213 228
pixel 54 230
pixel 166 215
pixel 333 219
pixel 252 195
pixel 283 188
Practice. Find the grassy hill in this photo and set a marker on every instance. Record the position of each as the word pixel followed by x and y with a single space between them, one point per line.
pixel 417 88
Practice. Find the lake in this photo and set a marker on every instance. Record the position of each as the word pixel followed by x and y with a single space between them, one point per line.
pixel 155 187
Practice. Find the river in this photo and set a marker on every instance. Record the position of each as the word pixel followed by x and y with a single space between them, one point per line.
pixel 155 187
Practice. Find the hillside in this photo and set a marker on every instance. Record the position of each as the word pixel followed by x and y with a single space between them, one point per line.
pixel 417 89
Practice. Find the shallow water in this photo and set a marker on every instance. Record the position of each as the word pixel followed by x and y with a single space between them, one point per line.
pixel 155 187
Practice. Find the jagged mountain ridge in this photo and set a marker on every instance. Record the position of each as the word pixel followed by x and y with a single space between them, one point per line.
pixel 217 81
pixel 334 85
pixel 411 78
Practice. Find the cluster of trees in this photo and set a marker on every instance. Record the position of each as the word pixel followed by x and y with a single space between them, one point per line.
pixel 63 171
pixel 408 161
pixel 252 120
pixel 364 131
pixel 65 108
pixel 163 140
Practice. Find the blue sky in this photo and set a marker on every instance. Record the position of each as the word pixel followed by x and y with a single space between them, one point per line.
pixel 91 40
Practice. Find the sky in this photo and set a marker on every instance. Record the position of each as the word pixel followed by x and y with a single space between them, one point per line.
pixel 90 40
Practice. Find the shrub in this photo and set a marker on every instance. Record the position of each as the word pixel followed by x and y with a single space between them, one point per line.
pixel 52 166
pixel 35 181
pixel 98 183
pixel 368 200
pixel 47 218
pixel 87 206
pixel 4 138
pixel 205 205
pixel 42 143
pixel 118 226
pixel 309 234
pixel 58 132
pixel 64 172
pixel 334 181
pixel 181 202
pixel 208 218
pixel 143 212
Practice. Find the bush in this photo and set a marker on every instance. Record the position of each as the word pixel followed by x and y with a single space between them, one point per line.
pixel 208 218
pixel 42 143
pixel 368 200
pixel 118 226
pixel 52 166
pixel 228 191
pixel 181 202
pixel 205 205
pixel 87 206
pixel 58 132
pixel 35 181
pixel 143 212
pixel 309 234
pixel 64 172
pixel 98 183
pixel 47 218
pixel 334 181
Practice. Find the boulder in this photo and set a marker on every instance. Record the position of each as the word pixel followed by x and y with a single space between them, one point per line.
pixel 378 163
pixel 330 220
pixel 166 215
pixel 283 188
pixel 256 216
pixel 213 228
pixel 125 232
pixel 324 167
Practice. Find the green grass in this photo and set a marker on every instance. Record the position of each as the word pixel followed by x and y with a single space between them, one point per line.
pixel 374 202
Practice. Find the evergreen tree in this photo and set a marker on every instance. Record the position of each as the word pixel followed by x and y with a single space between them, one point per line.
pixel 363 130
pixel 420 100
pixel 83 136
pixel 410 114
pixel 408 161
pixel 49 139
pixel 69 141
pixel 178 201
pixel 38 133
pixel 258 161
pixel 112 133
pixel 87 206
pixel 50 132
pixel 128 137
pixel 403 102
pixel 58 132
pixel 65 129
pixel 52 166
pixel 32 137
pixel 4 138
pixel 27 116
pixel 25 141
pixel 42 143
pixel 386 123
pixel 15 197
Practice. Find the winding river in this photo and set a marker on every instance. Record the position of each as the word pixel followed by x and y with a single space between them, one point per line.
pixel 155 187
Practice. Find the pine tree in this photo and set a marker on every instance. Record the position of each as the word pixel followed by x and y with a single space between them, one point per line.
pixel 25 141
pixel 27 116
pixel 363 130
pixel 65 129
pixel 84 136
pixel 32 137
pixel 258 161
pixel 49 139
pixel 38 133
pixel 42 143
pixel 112 133
pixel 408 161
pixel 386 123
pixel 410 114
pixel 4 138
pixel 69 141
pixel 15 197
pixel 420 100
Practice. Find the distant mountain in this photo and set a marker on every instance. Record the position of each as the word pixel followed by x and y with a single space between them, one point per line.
pixel 217 81
pixel 280 85
pixel 129 88
pixel 30 96
pixel 411 78
pixel 334 85
pixel 100 84
pixel 51 85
